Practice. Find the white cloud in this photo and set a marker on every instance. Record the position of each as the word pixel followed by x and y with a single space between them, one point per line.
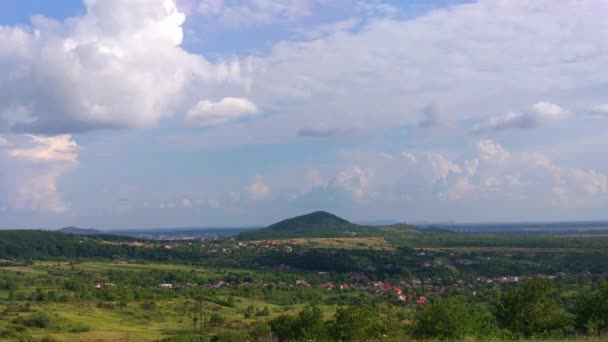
pixel 487 175
pixel 206 112
pixel 31 168
pixel 542 113
pixel 239 14
pixel 118 65
pixel 491 151
pixel 600 111
pixel 355 181
pixel 47 148
pixel 258 189
pixel 382 74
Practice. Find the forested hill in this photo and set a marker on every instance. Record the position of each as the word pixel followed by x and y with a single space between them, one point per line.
pixel 319 224
pixel 80 231
pixel 39 244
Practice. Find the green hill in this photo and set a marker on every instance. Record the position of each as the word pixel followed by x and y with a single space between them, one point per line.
pixel 319 224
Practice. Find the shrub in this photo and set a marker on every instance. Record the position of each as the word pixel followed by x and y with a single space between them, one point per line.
pixel 217 319
pixel 261 332
pixel 80 329
pixel 531 309
pixel 453 319
pixel 38 321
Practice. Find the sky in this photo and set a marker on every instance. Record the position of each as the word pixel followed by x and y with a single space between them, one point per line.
pixel 193 113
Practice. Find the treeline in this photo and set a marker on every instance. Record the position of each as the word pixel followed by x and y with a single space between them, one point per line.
pixel 452 239
pixel 44 245
pixel 530 310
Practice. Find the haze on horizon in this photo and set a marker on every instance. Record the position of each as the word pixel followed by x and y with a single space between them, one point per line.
pixel 194 113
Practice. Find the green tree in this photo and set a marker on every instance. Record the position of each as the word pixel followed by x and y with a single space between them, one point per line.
pixel 531 309
pixel 453 319
pixel 591 311
pixel 354 324
pixel 261 332
pixel 307 325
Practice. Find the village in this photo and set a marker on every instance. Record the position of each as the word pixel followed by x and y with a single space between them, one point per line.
pixel 409 291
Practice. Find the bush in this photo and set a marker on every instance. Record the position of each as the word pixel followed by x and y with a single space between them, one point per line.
pixel 453 319
pixel 531 309
pixel 217 319
pixel 80 329
pixel 148 305
pixel 592 311
pixel 355 324
pixel 264 312
pixel 307 325
pixel 230 337
pixel 38 321
pixel 261 332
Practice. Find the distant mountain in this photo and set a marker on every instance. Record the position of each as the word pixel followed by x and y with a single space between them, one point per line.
pixel 379 223
pixel 319 224
pixel 80 231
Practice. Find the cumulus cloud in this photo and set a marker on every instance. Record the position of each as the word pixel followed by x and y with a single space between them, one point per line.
pixel 258 189
pixel 487 173
pixel 31 167
pixel 206 113
pixel 541 113
pixel 355 181
pixel 118 65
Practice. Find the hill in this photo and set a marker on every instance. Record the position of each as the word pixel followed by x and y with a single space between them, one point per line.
pixel 80 231
pixel 40 244
pixel 319 224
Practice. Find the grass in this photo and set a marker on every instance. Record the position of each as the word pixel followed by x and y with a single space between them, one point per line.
pixel 376 243
pixel 132 323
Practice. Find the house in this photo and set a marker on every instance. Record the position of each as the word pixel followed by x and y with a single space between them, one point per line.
pixel 345 286
pixel 165 286
pixel 302 282
pixel 421 300
pixel 327 286
pixel 218 284
pixel 358 276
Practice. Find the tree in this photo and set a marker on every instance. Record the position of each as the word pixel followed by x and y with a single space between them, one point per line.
pixel 354 324
pixel 197 313
pixel 260 332
pixel 307 325
pixel 453 319
pixel 531 309
pixel 591 311
pixel 310 323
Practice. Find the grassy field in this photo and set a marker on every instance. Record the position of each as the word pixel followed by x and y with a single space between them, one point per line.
pixel 376 243
pixel 89 321
pixel 86 322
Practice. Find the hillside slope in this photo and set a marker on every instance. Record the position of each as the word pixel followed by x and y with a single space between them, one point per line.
pixel 319 224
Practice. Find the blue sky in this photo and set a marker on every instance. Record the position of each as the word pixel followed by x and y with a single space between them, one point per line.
pixel 163 113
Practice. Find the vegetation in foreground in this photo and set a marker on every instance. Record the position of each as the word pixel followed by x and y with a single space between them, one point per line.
pixel 396 286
